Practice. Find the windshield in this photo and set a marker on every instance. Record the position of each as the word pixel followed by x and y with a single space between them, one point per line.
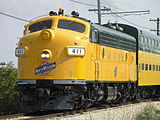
pixel 70 25
pixel 40 26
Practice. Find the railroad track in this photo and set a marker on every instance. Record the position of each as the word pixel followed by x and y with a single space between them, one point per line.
pixel 52 115
pixel 80 111
pixel 13 116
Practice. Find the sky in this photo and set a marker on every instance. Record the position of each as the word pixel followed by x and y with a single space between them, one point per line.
pixel 12 29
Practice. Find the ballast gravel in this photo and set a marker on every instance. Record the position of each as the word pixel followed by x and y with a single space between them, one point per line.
pixel 125 112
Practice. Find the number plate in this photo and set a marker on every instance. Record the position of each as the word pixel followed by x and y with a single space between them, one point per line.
pixel 20 51
pixel 76 51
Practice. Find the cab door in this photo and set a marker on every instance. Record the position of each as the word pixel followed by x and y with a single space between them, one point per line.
pixel 95 40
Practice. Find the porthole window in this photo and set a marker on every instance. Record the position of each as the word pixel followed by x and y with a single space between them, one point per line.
pixel 150 67
pixel 156 67
pixel 146 67
pixel 142 66
pixel 153 67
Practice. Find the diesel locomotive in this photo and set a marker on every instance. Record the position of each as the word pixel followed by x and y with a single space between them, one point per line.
pixel 66 62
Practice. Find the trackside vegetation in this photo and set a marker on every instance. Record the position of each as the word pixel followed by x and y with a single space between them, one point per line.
pixel 9 96
pixel 149 113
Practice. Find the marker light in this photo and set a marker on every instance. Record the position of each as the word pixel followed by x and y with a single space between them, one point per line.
pixel 74 13
pixel 21 51
pixel 60 11
pixel 45 55
pixel 51 13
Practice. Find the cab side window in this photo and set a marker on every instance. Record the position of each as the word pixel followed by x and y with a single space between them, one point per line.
pixel 94 36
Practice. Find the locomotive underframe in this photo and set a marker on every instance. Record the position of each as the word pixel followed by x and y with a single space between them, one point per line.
pixel 73 96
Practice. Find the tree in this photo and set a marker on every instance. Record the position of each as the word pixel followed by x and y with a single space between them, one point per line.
pixel 9 96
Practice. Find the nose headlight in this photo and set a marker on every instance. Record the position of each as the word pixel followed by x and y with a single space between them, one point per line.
pixel 45 55
pixel 47 35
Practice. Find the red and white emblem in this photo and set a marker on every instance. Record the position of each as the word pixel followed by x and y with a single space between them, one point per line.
pixel 45 67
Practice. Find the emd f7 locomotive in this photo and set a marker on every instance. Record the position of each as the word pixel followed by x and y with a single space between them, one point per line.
pixel 66 62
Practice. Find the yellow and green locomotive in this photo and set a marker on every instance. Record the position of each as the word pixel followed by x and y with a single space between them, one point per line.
pixel 66 62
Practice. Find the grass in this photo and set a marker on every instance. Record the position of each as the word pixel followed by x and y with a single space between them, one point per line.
pixel 149 113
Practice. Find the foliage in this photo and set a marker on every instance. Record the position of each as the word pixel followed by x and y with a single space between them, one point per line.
pixel 9 96
pixel 149 113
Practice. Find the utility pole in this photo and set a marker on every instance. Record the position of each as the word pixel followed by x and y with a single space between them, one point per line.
pixel 108 9
pixel 99 12
pixel 157 21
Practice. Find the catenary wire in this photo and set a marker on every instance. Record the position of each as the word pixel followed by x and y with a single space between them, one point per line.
pixel 140 15
pixel 128 4
pixel 131 22
pixel 83 3
pixel 14 17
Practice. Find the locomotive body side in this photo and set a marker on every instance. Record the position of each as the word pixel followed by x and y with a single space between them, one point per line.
pixel 116 56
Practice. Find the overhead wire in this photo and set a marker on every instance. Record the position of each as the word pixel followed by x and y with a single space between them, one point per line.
pixel 112 12
pixel 128 4
pixel 84 3
pixel 130 21
pixel 112 6
pixel 14 17
pixel 133 6
pixel 79 3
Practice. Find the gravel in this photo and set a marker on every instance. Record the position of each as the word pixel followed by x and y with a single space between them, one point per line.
pixel 125 112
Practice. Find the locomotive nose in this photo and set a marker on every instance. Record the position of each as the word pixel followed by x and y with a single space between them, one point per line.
pixel 47 35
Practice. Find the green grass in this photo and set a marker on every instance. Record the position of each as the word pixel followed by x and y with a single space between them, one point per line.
pixel 149 113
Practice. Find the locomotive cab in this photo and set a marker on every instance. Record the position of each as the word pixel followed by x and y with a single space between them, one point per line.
pixel 46 40
pixel 48 53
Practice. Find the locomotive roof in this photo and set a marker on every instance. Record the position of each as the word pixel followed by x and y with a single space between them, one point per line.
pixel 113 32
pixel 135 32
pixel 115 39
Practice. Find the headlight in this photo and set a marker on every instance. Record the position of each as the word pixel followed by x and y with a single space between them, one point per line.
pixel 47 34
pixel 45 55
pixel 76 51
